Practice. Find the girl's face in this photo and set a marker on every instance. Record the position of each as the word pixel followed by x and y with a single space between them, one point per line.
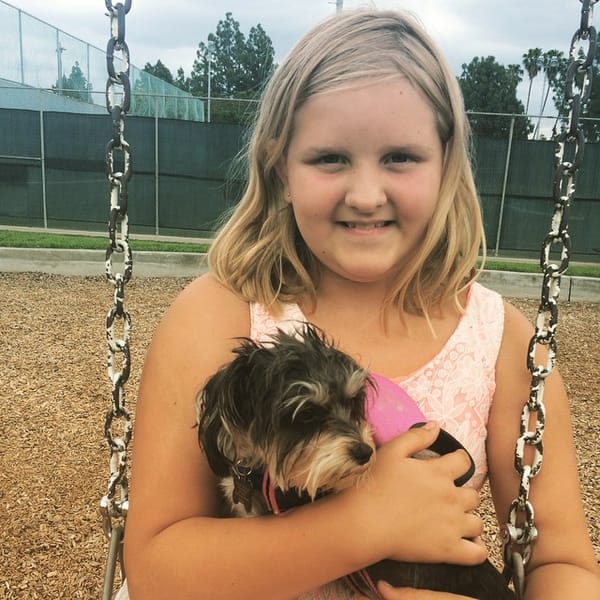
pixel 362 173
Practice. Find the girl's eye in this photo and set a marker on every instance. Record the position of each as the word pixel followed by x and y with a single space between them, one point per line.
pixel 399 157
pixel 330 159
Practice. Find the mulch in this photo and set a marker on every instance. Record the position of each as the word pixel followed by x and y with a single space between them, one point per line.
pixel 55 393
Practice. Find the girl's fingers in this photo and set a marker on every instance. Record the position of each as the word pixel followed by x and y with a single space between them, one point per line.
pixel 475 529
pixel 457 463
pixel 475 553
pixel 471 498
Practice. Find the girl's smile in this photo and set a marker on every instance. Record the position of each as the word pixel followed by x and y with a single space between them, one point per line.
pixel 365 224
pixel 362 174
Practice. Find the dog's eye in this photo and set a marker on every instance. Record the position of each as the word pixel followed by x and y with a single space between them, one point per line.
pixel 305 414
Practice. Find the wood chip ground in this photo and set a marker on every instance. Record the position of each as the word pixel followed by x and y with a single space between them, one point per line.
pixel 55 392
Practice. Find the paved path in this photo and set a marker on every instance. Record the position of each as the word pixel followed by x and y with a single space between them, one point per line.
pixel 189 264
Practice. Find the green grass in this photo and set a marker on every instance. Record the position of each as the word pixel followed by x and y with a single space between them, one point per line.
pixel 25 239
pixel 587 270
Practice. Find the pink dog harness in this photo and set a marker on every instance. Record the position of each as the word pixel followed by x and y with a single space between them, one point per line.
pixel 390 410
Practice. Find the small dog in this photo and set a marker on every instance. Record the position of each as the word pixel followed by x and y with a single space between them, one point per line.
pixel 285 423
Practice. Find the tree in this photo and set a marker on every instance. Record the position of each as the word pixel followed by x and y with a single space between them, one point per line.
pixel 490 87
pixel 75 85
pixel 591 128
pixel 259 63
pixel 159 70
pixel 553 63
pixel 238 67
pixel 181 81
pixel 532 61
pixel 592 108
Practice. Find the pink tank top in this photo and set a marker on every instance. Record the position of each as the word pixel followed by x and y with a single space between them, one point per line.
pixel 455 388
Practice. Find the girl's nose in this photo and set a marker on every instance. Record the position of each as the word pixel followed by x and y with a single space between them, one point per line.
pixel 365 191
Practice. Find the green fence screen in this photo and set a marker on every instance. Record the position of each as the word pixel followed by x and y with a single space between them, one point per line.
pixel 52 174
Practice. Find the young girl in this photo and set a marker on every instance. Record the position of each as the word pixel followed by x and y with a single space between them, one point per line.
pixel 360 216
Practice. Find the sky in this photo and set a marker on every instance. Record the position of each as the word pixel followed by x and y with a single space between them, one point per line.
pixel 171 31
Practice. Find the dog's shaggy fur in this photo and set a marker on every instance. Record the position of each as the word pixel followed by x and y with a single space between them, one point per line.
pixel 286 419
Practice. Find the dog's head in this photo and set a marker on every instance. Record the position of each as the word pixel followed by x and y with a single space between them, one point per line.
pixel 294 406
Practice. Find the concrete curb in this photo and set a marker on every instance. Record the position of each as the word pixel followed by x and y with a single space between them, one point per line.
pixel 190 264
pixel 90 263
pixel 528 285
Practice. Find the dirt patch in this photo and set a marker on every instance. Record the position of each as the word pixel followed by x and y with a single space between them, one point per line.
pixel 55 392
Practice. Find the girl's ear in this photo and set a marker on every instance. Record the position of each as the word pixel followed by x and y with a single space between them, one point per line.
pixel 281 169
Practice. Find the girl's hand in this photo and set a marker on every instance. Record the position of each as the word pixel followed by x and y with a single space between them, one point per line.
pixel 411 510
pixel 390 593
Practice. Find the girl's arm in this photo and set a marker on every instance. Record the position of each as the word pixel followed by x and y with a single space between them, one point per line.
pixel 176 547
pixel 563 564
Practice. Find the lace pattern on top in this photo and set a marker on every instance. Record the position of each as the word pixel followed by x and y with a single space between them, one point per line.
pixel 456 387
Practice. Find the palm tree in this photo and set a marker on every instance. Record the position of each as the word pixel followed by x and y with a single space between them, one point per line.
pixel 551 61
pixel 533 62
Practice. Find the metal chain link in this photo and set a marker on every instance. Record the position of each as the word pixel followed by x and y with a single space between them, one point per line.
pixel 118 424
pixel 520 532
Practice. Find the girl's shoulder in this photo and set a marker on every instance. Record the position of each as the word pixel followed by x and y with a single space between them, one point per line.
pixel 516 336
pixel 518 329
pixel 206 317
pixel 206 298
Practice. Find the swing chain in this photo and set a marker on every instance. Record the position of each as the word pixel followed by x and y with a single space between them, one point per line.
pixel 118 424
pixel 520 532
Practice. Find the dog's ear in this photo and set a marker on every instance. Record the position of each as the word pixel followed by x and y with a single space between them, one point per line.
pixel 225 409
pixel 210 427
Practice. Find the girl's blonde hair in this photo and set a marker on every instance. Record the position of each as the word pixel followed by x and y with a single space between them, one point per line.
pixel 259 252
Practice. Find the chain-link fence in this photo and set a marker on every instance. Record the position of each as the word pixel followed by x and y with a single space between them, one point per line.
pixel 52 174
pixel 69 74
pixel 514 160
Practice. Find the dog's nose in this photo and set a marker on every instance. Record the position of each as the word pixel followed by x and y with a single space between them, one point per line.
pixel 361 453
